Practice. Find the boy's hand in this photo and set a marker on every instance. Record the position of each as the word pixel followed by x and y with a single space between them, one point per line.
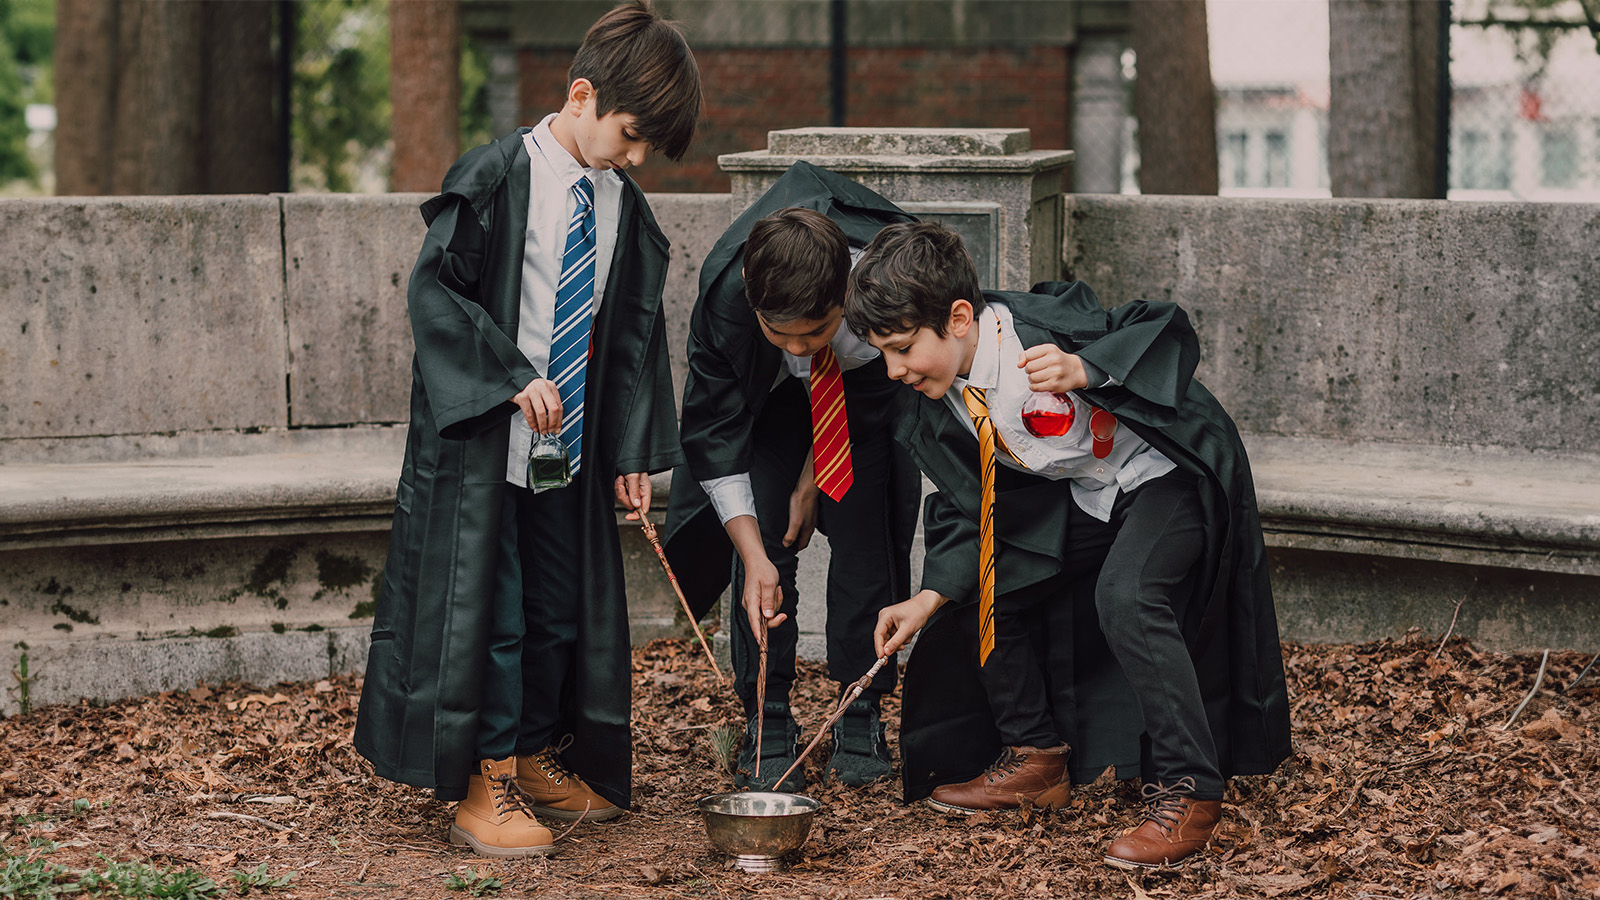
pixel 1051 368
pixel 762 596
pixel 540 403
pixel 802 510
pixel 633 491
pixel 897 623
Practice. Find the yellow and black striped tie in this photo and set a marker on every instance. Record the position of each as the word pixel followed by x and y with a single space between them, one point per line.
pixel 978 408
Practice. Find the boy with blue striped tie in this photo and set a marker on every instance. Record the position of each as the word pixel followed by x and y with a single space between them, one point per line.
pixel 501 636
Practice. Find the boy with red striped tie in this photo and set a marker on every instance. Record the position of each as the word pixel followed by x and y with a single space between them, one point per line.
pixel 787 426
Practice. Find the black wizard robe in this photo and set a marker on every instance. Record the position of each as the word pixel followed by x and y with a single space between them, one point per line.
pixel 418 719
pixel 947 730
pixel 732 367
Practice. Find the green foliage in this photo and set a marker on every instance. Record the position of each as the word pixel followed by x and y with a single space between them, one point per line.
pixel 340 132
pixel 27 35
pixel 142 880
pixel 476 126
pixel 32 877
pixel 27 878
pixel 258 879
pixel 340 94
pixel 478 884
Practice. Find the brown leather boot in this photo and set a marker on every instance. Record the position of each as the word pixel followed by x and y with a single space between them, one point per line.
pixel 1021 773
pixel 556 791
pixel 1176 826
pixel 495 819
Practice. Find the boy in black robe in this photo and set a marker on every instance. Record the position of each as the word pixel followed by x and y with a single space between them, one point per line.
pixel 501 634
pixel 1137 506
pixel 765 350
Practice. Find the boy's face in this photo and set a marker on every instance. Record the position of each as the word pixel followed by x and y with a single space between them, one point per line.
pixel 802 337
pixel 600 142
pixel 926 360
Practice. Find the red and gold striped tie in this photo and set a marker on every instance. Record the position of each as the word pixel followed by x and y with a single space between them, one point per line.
pixel 978 408
pixel 830 432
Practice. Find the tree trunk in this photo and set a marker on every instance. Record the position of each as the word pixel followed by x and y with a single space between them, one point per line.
pixel 1386 119
pixel 157 97
pixel 243 152
pixel 85 58
pixel 1173 97
pixel 425 91
pixel 156 148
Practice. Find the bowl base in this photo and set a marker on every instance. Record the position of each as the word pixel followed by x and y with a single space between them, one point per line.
pixel 756 864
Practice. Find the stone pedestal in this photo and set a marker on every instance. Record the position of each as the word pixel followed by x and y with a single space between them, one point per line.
pixel 1004 198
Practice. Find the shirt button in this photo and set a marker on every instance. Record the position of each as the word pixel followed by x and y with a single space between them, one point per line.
pixel 1099 470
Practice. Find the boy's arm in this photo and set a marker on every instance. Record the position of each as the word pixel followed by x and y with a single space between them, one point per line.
pixel 470 368
pixel 1151 352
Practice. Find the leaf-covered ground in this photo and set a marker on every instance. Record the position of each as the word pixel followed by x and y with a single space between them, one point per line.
pixel 1405 783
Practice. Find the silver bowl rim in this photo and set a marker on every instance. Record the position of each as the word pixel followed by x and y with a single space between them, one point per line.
pixel 810 804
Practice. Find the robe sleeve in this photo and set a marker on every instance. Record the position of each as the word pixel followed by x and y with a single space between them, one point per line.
pixel 950 561
pixel 1148 346
pixel 650 440
pixel 470 366
pixel 717 422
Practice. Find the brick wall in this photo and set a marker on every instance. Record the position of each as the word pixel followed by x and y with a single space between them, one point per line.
pixel 750 91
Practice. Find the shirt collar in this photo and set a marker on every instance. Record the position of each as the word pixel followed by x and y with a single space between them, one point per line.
pixel 563 165
pixel 986 359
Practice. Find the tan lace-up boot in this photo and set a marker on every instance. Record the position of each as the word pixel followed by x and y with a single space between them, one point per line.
pixel 555 791
pixel 496 819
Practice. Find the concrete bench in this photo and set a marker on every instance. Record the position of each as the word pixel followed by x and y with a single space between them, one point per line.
pixel 1417 385
pixel 202 416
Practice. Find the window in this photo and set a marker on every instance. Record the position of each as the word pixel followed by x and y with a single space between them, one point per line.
pixel 1558 158
pixel 1235 150
pixel 1277 159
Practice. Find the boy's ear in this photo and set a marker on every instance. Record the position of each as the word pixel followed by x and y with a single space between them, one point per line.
pixel 579 93
pixel 961 319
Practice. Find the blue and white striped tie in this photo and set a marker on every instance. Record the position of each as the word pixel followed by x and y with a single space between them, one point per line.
pixel 569 342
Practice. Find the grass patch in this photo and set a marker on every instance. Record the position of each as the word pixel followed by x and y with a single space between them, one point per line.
pixel 34 877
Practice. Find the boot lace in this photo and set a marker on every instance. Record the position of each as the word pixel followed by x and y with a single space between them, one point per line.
pixel 1164 803
pixel 1009 762
pixel 550 761
pixel 506 791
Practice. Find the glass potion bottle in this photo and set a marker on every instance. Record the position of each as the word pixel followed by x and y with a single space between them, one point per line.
pixel 1048 414
pixel 548 463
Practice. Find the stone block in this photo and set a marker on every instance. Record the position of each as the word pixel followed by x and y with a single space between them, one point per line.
pixel 112 669
pixel 930 169
pixel 132 315
pixel 693 223
pixel 348 261
pixel 1410 321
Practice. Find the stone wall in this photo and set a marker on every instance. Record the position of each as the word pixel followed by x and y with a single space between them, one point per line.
pixel 201 400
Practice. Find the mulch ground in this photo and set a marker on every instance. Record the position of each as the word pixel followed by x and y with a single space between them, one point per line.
pixel 1405 783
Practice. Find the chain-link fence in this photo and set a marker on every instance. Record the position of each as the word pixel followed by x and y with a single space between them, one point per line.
pixel 1525 103
pixel 1524 109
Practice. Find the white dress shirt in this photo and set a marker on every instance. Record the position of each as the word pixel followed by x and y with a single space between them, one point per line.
pixel 552 173
pixel 1095 482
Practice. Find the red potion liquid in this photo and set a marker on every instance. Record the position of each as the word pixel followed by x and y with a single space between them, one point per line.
pixel 1048 414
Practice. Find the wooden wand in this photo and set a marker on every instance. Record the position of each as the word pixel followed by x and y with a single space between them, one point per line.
pixel 650 532
pixel 849 696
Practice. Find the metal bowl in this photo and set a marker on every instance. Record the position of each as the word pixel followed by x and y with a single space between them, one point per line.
pixel 757 827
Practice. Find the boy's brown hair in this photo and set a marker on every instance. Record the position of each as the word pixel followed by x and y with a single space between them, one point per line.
pixel 640 64
pixel 907 279
pixel 796 264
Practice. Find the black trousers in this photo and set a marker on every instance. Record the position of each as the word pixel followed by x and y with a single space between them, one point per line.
pixel 869 534
pixel 535 620
pixel 1142 565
